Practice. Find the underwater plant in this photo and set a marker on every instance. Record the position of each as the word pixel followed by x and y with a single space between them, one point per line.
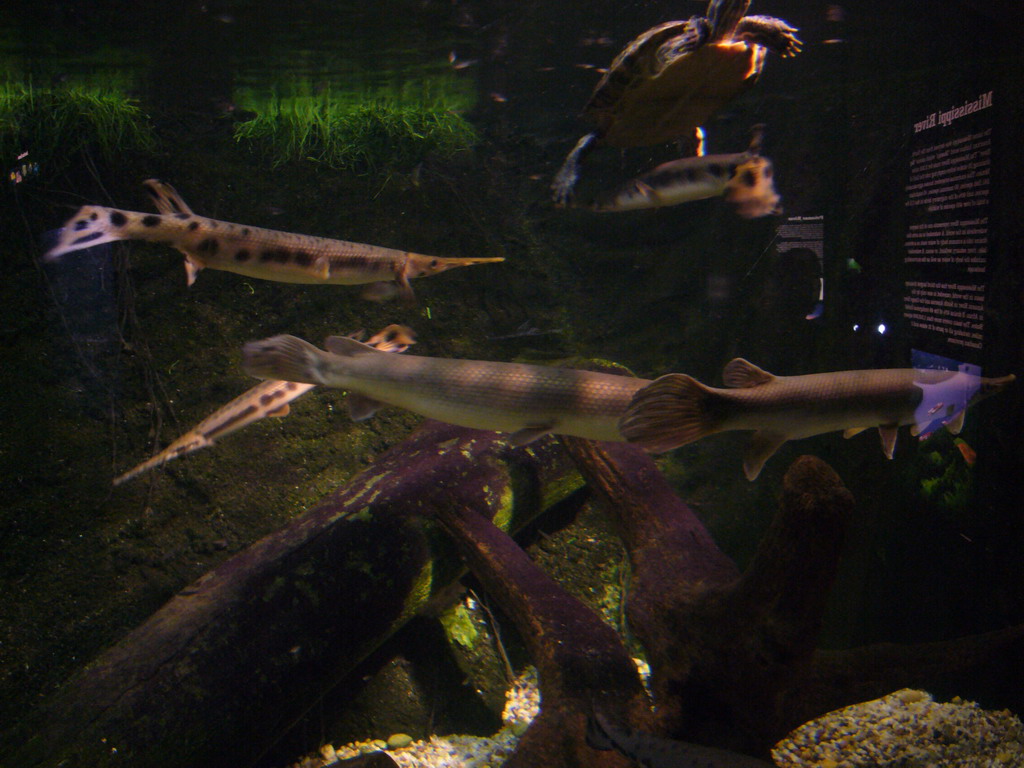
pixel 383 129
pixel 947 478
pixel 55 124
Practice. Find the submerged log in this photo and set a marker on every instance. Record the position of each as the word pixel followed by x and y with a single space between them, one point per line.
pixel 733 656
pixel 225 667
pixel 582 663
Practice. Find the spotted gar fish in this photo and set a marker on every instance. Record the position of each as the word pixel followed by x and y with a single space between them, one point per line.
pixel 677 409
pixel 268 398
pixel 526 400
pixel 266 254
pixel 745 179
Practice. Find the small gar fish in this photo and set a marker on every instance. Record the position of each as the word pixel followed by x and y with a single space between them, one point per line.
pixel 268 398
pixel 677 409
pixel 657 752
pixel 526 400
pixel 745 179
pixel 266 254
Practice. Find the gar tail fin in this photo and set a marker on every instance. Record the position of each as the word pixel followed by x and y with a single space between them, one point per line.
pixel 673 410
pixel 165 197
pixel 91 225
pixel 284 357
pixel 752 189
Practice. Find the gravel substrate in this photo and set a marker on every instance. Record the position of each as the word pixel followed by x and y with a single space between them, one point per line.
pixel 906 729
pixel 522 703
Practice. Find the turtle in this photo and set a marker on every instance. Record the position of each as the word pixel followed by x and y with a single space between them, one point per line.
pixel 673 77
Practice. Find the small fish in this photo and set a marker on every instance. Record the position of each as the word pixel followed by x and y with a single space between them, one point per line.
pixel 262 253
pixel 268 398
pixel 677 409
pixel 526 400
pixel 745 179
pixel 657 752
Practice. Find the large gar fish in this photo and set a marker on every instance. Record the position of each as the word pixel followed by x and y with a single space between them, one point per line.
pixel 266 399
pixel 526 400
pixel 744 179
pixel 266 254
pixel 677 409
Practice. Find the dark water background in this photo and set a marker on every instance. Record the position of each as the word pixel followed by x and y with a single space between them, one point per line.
pixel 104 361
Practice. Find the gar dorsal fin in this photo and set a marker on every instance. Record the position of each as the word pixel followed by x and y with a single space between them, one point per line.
pixel 348 347
pixel 742 374
pixel 165 197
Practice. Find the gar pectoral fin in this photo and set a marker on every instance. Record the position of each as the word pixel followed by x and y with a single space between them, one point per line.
pixel 527 435
pixel 888 432
pixel 192 269
pixel 361 407
pixel 405 292
pixel 956 424
pixel 673 410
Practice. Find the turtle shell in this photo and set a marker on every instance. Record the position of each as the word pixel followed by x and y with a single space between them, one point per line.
pixel 651 95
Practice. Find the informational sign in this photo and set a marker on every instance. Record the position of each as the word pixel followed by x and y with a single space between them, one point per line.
pixel 946 242
pixel 805 233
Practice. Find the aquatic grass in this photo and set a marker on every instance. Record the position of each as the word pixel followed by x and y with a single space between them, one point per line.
pixel 388 129
pixel 56 124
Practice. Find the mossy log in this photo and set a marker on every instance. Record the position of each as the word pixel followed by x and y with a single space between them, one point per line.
pixel 227 665
pixel 582 663
pixel 733 655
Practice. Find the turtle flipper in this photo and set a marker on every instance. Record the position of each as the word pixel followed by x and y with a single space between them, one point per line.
pixel 564 181
pixel 696 32
pixel 774 34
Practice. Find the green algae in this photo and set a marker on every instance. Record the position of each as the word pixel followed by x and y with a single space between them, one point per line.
pixel 55 125
pixel 419 592
pixel 380 130
pixel 458 626
pixel 505 506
